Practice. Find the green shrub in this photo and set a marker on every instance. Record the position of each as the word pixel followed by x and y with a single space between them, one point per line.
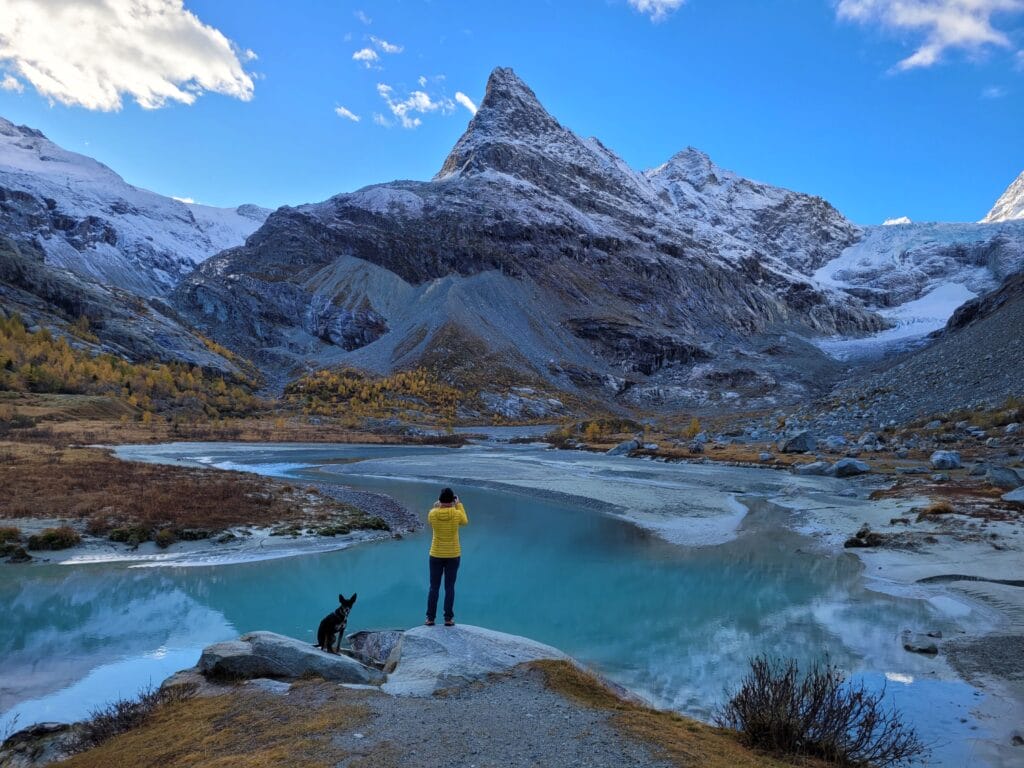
pixel 131 534
pixel 9 534
pixel 165 537
pixel 63 537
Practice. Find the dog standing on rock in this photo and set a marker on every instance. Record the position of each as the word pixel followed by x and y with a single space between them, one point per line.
pixel 332 628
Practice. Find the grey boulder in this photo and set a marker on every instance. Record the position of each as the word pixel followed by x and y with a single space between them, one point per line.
pixel 1003 477
pixel 626 446
pixel 1015 497
pixel 946 460
pixel 812 469
pixel 850 467
pixel 266 654
pixel 430 659
pixel 835 443
pixel 800 442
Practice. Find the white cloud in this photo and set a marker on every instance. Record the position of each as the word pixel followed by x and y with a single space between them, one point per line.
pixel 417 102
pixel 422 80
pixel 385 46
pixel 347 113
pixel 379 119
pixel 656 9
pixel 11 83
pixel 993 92
pixel 896 222
pixel 367 56
pixel 91 53
pixel 947 24
pixel 1020 60
pixel 185 200
pixel 363 17
pixel 465 101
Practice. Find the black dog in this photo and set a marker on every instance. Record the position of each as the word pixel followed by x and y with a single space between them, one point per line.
pixel 333 625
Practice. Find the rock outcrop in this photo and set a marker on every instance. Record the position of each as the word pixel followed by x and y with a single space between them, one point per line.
pixel 416 662
pixel 266 654
pixel 429 659
pixel 38 745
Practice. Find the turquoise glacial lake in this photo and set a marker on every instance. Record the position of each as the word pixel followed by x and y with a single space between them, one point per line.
pixel 674 622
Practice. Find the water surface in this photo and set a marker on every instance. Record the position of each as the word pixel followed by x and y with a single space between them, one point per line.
pixel 676 623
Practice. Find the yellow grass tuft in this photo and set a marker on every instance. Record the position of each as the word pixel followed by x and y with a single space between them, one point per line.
pixel 237 730
pixel 682 740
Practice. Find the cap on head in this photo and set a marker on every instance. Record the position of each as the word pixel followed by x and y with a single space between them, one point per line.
pixel 447 496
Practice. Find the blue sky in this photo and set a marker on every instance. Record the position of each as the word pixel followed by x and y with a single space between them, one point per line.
pixel 883 111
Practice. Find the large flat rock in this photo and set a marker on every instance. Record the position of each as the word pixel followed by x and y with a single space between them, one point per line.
pixel 434 658
pixel 266 654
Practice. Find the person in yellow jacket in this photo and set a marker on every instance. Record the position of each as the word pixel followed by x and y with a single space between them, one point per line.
pixel 445 518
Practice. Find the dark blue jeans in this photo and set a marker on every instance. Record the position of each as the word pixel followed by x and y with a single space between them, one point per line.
pixel 449 568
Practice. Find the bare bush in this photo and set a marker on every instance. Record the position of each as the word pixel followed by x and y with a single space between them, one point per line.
pixel 820 714
pixel 122 715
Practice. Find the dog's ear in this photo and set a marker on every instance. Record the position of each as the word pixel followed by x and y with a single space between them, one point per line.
pixel 353 600
pixel 341 598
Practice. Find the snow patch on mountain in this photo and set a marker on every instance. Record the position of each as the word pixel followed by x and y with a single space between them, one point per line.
pixel 1010 204
pixel 916 275
pixel 911 323
pixel 897 221
pixel 88 220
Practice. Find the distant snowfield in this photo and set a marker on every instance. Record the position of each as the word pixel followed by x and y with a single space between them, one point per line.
pixel 914 320
pixel 924 272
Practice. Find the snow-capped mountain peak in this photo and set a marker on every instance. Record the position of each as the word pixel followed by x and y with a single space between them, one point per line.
pixel 1010 204
pixel 87 219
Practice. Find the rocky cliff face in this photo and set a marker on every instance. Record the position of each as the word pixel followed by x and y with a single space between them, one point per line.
pixel 77 241
pixel 543 254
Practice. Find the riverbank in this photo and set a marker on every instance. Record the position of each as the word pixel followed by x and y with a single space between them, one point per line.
pixel 445 700
pixel 83 505
pixel 687 503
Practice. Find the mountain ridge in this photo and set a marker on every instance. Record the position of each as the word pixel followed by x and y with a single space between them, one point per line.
pixel 616 289
pixel 535 260
pixel 1010 205
pixel 88 220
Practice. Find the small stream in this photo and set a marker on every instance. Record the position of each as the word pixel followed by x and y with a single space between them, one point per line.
pixel 671 620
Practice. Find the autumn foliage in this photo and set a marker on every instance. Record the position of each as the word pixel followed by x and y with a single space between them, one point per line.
pixel 38 361
pixel 351 393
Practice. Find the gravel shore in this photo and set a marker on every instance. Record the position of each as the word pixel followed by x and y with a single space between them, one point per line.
pixel 511 722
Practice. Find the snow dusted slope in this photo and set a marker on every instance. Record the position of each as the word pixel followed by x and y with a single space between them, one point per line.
pixel 1010 204
pixel 227 227
pixel 917 275
pixel 789 231
pixel 88 220
pixel 539 258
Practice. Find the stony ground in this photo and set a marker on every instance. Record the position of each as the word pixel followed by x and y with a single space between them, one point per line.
pixel 515 721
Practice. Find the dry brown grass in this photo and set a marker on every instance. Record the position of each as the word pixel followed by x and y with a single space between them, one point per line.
pixel 87 484
pixel 685 742
pixel 63 420
pixel 238 730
